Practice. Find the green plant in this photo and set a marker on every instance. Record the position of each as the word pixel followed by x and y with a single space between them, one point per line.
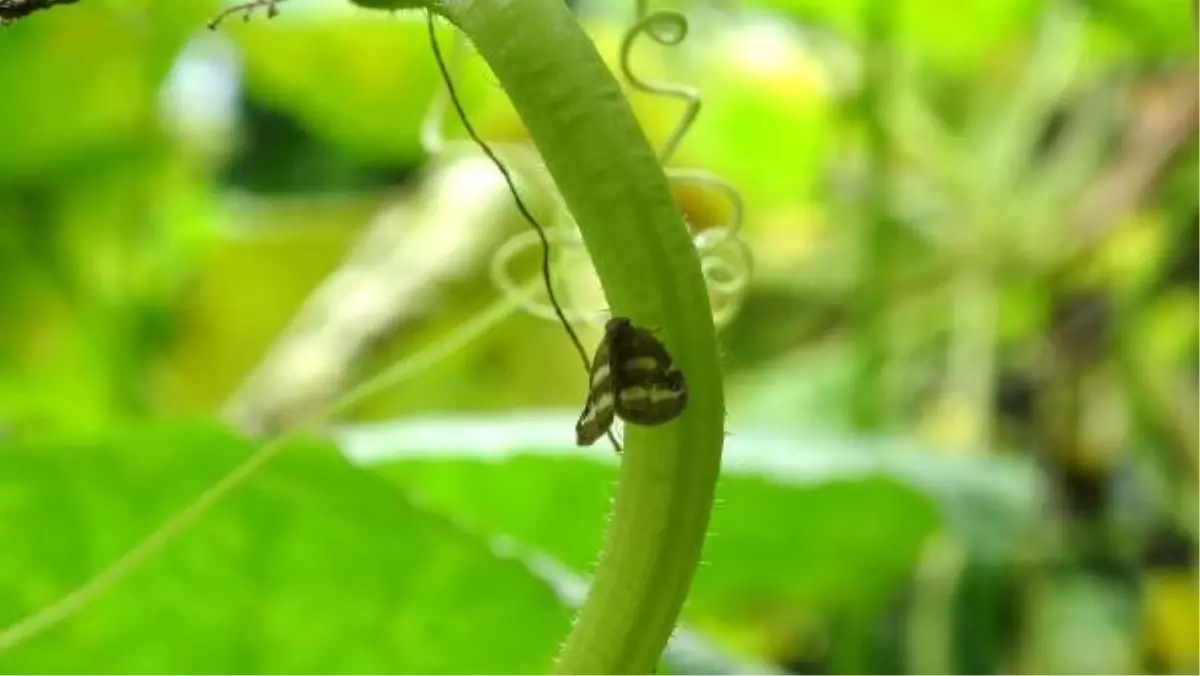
pixel 617 192
pixel 612 183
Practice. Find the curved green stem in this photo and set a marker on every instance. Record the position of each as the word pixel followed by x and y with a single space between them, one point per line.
pixel 611 181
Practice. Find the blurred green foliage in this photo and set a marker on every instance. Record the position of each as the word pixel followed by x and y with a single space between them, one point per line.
pixel 321 567
pixel 973 228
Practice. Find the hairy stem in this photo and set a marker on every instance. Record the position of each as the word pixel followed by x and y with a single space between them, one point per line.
pixel 611 181
pixel 610 178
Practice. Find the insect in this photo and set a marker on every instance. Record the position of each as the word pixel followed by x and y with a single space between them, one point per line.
pixel 634 378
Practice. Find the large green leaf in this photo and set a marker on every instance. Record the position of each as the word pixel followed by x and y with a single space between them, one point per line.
pixel 991 502
pixel 81 83
pixel 311 566
pixel 805 531
pixel 835 545
pixel 361 80
pixel 950 40
pixel 836 525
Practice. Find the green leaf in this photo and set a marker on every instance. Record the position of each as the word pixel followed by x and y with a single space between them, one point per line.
pixel 836 523
pixel 953 41
pixel 1083 624
pixel 558 493
pixel 310 566
pixel 385 79
pixel 841 544
pixel 87 85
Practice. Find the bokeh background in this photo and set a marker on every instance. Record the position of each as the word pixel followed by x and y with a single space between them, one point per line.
pixel 961 371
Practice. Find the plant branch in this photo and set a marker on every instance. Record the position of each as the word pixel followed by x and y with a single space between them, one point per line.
pixel 611 181
pixel 11 10
pixel 870 405
pixel 1161 119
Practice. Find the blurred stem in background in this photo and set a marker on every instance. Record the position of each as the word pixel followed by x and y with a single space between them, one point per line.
pixel 930 633
pixel 968 398
pixel 400 268
pixel 870 400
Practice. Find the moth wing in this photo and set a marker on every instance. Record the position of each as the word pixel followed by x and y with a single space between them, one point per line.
pixel 595 420
pixel 597 415
pixel 648 388
pixel 633 342
pixel 651 405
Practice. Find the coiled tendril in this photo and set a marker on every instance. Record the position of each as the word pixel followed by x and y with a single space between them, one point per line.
pixel 563 234
pixel 725 258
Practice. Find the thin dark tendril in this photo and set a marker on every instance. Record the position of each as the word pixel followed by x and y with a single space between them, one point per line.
pixel 512 188
pixel 245 9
